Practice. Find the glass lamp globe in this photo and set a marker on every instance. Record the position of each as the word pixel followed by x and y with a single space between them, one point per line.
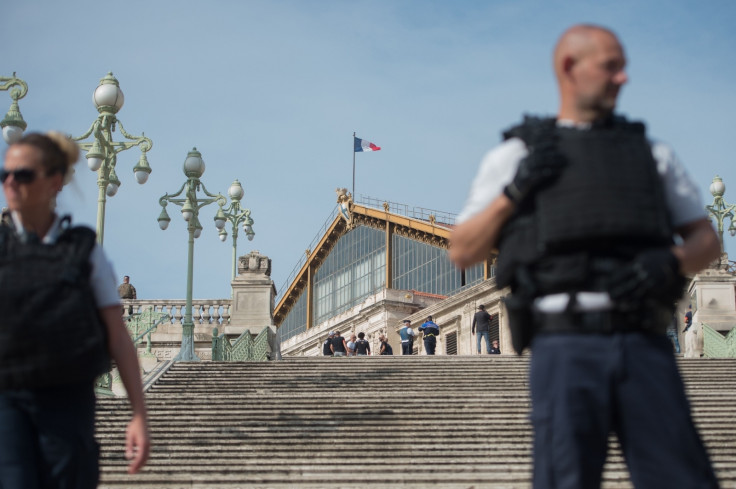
pixel 108 94
pixel 717 188
pixel 194 164
pixel 236 191
pixel 142 169
pixel 12 134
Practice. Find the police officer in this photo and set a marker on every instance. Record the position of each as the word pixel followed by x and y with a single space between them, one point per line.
pixel 583 209
pixel 49 356
pixel 431 332
pixel 407 338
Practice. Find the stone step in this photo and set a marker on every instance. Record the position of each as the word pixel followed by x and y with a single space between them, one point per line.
pixel 366 422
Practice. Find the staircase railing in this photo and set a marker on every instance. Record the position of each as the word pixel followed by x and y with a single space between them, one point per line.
pixel 138 321
pixel 134 323
pixel 245 348
pixel 715 345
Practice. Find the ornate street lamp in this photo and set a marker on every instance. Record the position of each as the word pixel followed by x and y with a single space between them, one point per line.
pixel 236 215
pixel 102 152
pixel 720 209
pixel 13 124
pixel 190 205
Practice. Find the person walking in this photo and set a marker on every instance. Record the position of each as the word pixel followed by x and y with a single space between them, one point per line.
pixel 584 208
pixel 431 332
pixel 407 338
pixel 482 320
pixel 61 327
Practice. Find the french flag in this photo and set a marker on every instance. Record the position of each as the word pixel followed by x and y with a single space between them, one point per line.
pixel 362 145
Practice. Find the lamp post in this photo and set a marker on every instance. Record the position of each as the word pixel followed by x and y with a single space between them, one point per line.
pixel 720 209
pixel 190 205
pixel 236 215
pixel 13 124
pixel 102 152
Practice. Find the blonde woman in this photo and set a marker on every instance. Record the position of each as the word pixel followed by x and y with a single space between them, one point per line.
pixel 61 326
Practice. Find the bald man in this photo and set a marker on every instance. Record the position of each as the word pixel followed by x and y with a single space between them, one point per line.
pixel 584 209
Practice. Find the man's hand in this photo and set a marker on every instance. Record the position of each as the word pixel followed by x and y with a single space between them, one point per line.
pixel 543 164
pixel 137 443
pixel 473 240
pixel 652 274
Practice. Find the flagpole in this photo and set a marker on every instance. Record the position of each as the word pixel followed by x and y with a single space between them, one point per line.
pixel 353 166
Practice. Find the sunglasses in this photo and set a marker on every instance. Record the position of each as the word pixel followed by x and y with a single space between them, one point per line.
pixel 24 175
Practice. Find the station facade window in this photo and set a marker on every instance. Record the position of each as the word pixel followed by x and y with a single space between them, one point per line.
pixel 354 269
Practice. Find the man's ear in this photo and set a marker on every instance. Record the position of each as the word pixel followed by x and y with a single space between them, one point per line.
pixel 567 64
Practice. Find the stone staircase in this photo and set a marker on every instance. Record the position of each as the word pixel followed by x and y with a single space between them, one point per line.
pixel 403 422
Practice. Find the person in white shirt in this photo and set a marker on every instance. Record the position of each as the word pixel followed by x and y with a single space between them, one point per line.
pixel 583 209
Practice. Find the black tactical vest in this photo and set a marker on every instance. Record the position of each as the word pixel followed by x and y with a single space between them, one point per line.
pixel 50 333
pixel 606 206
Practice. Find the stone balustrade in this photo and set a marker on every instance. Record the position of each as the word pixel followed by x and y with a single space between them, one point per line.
pixel 214 312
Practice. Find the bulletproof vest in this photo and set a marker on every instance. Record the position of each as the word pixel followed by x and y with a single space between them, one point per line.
pixel 51 333
pixel 606 206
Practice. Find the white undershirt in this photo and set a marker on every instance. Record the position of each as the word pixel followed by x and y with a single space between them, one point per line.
pixel 102 276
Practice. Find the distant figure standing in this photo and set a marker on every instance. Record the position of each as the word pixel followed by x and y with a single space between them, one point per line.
pixel 431 332
pixel 339 347
pixel 126 290
pixel 385 347
pixel 327 345
pixel 691 335
pixel 407 338
pixel 362 346
pixel 483 320
pixel 351 345
pixel 494 348
pixel 688 318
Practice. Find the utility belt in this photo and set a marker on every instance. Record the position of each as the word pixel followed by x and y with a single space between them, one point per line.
pixel 429 335
pixel 653 319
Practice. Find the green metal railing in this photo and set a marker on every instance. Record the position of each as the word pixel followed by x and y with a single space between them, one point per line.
pixel 715 345
pixel 140 326
pixel 245 348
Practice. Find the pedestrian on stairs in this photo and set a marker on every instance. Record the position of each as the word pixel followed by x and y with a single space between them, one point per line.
pixel 407 338
pixel 327 345
pixel 339 347
pixel 61 327
pixel 482 321
pixel 593 281
pixel 431 332
pixel 351 345
pixel 362 346
pixel 385 347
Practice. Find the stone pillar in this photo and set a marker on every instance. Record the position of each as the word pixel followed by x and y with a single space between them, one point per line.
pixel 254 295
pixel 712 294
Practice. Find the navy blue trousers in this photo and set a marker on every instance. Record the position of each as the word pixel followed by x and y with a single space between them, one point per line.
pixel 585 386
pixel 47 438
pixel 430 344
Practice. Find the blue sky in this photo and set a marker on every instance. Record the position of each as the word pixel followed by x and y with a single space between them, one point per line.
pixel 271 91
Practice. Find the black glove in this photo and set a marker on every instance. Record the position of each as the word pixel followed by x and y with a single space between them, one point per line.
pixel 543 164
pixel 652 274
